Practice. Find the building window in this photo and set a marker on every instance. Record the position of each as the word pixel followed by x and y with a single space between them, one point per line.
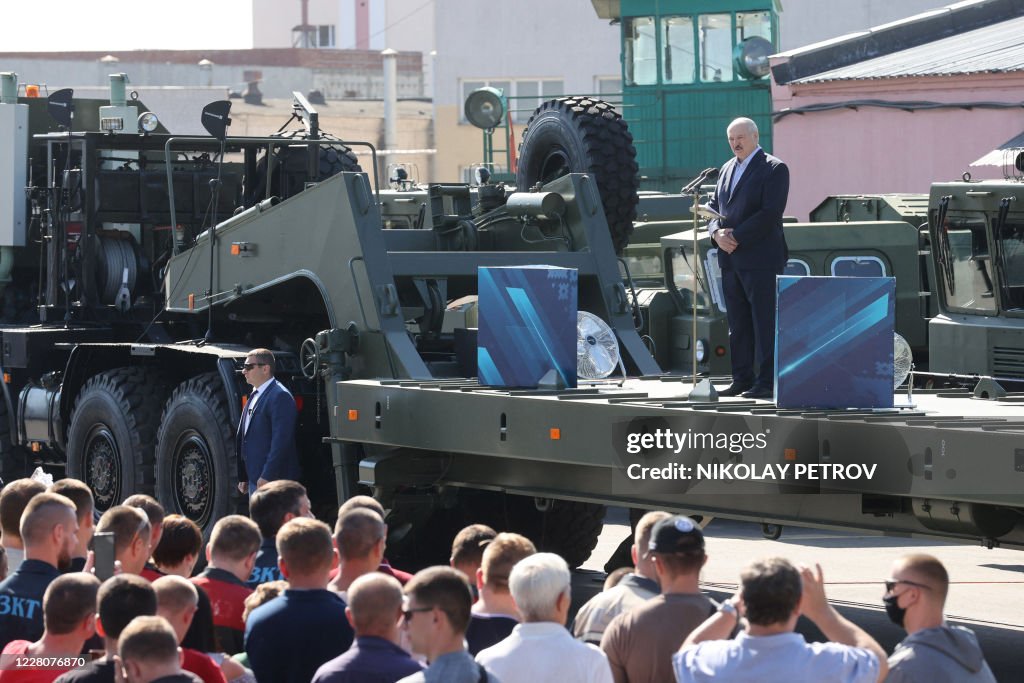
pixel 715 44
pixel 678 65
pixel 608 86
pixel 640 52
pixel 530 94
pixel 753 25
pixel 324 36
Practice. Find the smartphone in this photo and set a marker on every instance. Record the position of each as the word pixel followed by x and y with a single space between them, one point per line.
pixel 103 554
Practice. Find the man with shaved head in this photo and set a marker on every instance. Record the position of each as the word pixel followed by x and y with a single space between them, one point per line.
pixel 371 503
pixel 359 538
pixel 13 499
pixel 375 612
pixel 933 651
pixel 49 530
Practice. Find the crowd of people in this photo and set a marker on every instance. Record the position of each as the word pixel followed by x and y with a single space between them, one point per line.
pixel 284 598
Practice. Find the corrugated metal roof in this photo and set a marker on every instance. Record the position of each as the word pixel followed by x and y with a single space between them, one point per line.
pixel 998 48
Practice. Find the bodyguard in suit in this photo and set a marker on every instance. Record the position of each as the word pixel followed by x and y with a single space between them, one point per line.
pixel 266 433
pixel 751 195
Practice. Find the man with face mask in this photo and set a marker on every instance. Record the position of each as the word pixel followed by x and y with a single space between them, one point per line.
pixel 49 530
pixel 933 651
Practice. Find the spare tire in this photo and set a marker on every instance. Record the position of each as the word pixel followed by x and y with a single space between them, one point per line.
pixel 290 174
pixel 584 135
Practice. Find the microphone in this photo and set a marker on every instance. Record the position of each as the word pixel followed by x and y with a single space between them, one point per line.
pixel 705 175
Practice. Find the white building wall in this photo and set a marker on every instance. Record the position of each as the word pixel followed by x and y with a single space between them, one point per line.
pixel 804 22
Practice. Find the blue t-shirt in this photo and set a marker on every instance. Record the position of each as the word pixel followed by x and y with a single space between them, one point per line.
pixel 781 658
pixel 486 630
pixel 369 660
pixel 288 638
pixel 21 601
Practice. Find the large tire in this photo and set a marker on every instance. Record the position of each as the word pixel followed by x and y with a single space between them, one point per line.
pixel 13 463
pixel 583 135
pixel 197 470
pixel 113 428
pixel 288 177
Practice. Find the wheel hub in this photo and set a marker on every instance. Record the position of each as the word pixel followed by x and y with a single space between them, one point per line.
pixel 192 476
pixel 102 467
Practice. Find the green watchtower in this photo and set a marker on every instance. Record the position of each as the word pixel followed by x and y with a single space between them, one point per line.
pixel 688 68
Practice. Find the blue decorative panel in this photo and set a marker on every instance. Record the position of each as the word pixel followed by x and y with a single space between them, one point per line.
pixel 834 342
pixel 527 325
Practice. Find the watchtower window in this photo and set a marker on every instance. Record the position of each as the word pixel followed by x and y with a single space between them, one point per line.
pixel 715 44
pixel 640 52
pixel 679 64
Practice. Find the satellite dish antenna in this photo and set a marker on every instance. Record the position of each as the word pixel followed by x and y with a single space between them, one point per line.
pixel 597 350
pixel 485 108
pixel 902 360
pixel 60 108
pixel 751 57
pixel 215 118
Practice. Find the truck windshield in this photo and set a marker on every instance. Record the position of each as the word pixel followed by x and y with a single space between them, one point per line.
pixel 1011 257
pixel 966 265
pixel 686 281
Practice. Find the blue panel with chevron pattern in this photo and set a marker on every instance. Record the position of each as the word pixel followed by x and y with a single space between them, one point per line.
pixel 834 342
pixel 527 325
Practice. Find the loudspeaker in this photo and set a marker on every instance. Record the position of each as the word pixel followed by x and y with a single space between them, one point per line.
pixel 485 108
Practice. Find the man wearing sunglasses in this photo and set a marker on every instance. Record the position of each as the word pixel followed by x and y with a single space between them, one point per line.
pixel 265 441
pixel 933 651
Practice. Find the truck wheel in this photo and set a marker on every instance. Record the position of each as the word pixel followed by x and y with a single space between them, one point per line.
pixel 196 469
pixel 13 464
pixel 583 135
pixel 568 528
pixel 110 442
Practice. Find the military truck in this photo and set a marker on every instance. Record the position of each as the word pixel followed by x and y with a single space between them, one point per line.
pixel 840 239
pixel 168 258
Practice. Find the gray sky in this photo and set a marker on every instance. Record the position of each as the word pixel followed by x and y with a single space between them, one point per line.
pixel 74 25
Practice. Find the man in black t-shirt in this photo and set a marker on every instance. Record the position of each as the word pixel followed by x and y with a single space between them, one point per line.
pixel 270 507
pixel 49 529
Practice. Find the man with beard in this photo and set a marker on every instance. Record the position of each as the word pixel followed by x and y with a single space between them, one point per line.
pixel 49 530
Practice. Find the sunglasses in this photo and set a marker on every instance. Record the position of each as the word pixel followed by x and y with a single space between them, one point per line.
pixel 407 613
pixel 249 366
pixel 892 583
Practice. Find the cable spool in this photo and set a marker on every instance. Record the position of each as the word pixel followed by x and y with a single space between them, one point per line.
pixel 117 271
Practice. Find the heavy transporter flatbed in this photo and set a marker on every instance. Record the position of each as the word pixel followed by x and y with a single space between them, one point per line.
pixel 950 465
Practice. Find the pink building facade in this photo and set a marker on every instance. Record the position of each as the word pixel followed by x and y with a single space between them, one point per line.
pixel 947 102
pixel 871 150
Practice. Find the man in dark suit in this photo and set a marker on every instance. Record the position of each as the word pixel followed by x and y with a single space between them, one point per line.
pixel 266 433
pixel 751 195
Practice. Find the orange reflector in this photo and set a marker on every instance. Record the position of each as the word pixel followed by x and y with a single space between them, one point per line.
pixel 7 378
pixel 31 91
pixel 555 433
pixel 299 403
pixel 789 454
pixel 191 302
pixel 353 414
pixel 719 351
pixel 245 400
pixel 236 249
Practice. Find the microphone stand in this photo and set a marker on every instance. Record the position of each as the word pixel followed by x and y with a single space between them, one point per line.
pixel 705 390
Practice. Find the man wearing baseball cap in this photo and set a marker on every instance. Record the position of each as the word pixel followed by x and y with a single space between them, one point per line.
pixel 640 643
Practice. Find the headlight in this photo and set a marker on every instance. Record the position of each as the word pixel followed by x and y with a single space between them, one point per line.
pixel 148 122
pixel 701 350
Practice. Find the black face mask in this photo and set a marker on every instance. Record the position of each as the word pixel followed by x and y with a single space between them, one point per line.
pixel 893 610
